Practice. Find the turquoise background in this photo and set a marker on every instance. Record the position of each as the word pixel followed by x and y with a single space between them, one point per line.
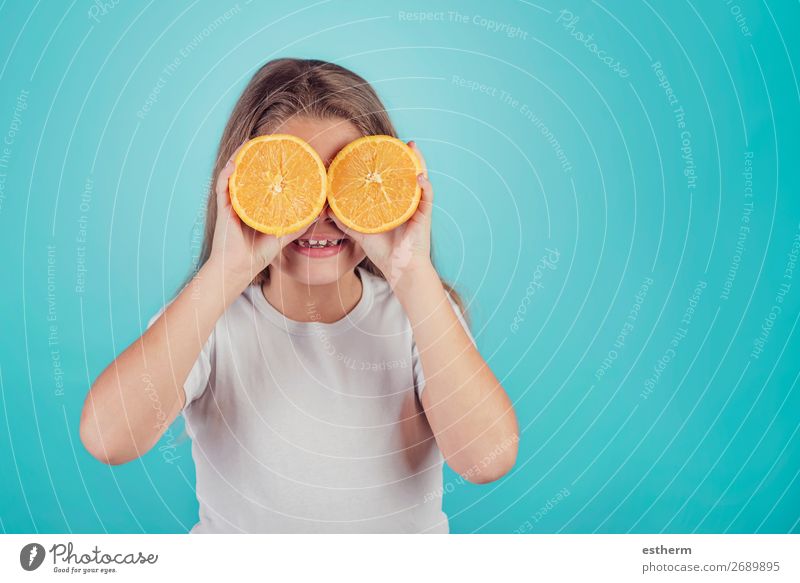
pixel 713 448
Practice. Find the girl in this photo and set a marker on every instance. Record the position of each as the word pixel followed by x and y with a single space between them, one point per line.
pixel 322 387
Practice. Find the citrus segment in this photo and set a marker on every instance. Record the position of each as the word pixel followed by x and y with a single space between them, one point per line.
pixel 372 184
pixel 278 184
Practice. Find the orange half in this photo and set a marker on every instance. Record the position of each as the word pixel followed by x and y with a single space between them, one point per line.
pixel 372 184
pixel 278 184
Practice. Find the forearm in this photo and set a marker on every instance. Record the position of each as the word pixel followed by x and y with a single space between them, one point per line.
pixel 138 395
pixel 467 408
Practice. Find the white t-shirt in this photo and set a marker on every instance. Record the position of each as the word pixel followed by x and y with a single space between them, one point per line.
pixel 313 427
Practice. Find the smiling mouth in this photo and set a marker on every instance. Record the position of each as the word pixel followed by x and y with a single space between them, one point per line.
pixel 318 247
pixel 318 243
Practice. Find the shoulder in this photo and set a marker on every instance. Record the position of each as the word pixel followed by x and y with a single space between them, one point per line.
pixel 245 301
pixel 385 299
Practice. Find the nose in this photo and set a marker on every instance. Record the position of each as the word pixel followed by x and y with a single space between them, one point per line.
pixel 326 212
pixel 324 215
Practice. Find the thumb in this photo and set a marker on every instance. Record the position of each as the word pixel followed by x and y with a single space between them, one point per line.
pixel 221 187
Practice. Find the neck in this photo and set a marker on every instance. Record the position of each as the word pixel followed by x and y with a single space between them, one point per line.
pixel 312 303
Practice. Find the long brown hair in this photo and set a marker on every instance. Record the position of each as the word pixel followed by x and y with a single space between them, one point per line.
pixel 283 88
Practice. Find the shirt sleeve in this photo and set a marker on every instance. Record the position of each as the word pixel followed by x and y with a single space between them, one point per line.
pixel 198 379
pixel 419 377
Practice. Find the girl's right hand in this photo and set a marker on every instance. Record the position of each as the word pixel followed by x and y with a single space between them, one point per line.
pixel 242 251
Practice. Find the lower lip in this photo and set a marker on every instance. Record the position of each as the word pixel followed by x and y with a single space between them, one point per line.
pixel 320 252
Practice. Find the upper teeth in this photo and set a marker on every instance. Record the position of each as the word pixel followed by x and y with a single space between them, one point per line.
pixel 318 242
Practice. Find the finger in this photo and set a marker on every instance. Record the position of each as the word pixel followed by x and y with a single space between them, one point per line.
pixel 221 186
pixel 413 145
pixel 426 200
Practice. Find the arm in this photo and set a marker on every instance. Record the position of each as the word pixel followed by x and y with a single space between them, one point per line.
pixel 136 398
pixel 468 410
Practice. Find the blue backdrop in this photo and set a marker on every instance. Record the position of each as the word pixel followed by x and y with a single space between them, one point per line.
pixel 617 198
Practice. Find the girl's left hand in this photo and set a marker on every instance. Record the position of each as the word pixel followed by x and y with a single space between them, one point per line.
pixel 407 247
